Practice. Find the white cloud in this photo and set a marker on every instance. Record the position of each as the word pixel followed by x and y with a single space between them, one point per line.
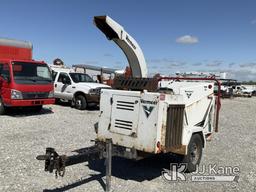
pixel 253 22
pixel 214 63
pixel 231 64
pixel 243 75
pixel 187 39
pixel 248 65
pixel 108 55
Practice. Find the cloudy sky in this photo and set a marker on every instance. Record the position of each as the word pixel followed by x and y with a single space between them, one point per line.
pixel 175 35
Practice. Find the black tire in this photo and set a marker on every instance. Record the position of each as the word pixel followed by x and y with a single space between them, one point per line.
pixel 194 155
pixel 57 101
pixel 38 108
pixel 2 107
pixel 80 102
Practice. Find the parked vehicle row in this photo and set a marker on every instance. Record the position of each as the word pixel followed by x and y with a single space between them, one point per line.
pixel 25 82
pixel 231 88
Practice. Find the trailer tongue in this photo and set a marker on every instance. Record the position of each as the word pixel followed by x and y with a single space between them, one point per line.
pixel 146 116
pixel 54 161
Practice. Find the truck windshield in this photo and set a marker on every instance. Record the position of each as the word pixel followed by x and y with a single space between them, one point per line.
pixel 31 73
pixel 80 77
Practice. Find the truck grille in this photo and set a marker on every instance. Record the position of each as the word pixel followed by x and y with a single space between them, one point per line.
pixel 35 95
pixel 174 127
pixel 98 90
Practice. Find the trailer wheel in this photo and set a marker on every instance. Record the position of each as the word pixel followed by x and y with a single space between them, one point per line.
pixel 80 102
pixel 2 107
pixel 194 155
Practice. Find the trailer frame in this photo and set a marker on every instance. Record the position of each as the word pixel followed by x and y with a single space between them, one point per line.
pixel 54 161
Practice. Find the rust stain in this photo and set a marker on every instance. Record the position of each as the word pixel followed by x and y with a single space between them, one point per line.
pixel 181 149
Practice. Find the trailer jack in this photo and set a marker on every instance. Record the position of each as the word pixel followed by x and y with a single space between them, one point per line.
pixel 54 161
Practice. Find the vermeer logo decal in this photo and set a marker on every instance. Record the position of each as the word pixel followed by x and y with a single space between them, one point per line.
pixel 147 110
pixel 130 42
pixel 148 102
pixel 189 93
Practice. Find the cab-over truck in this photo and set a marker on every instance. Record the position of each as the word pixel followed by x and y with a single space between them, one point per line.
pixel 24 82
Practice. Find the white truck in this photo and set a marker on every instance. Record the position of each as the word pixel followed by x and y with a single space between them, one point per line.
pixel 241 90
pixel 78 88
pixel 144 116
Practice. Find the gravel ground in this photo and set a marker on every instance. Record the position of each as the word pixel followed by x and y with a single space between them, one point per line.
pixel 24 135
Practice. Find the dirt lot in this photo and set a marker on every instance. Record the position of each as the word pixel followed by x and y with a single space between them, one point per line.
pixel 24 135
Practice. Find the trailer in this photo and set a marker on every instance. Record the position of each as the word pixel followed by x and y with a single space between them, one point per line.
pixel 142 116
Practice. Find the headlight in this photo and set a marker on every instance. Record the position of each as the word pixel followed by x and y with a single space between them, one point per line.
pixel 51 94
pixel 94 91
pixel 16 94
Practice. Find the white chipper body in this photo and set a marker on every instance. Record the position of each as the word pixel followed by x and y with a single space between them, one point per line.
pixel 155 122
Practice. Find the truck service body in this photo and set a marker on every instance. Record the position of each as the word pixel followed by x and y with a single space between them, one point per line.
pixel 23 81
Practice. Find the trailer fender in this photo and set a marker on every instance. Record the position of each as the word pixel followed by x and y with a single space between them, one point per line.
pixel 186 141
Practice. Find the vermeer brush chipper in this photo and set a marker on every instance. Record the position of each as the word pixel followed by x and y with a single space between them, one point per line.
pixel 145 116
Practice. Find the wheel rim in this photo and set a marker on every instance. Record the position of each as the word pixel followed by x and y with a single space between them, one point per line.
pixel 78 103
pixel 195 154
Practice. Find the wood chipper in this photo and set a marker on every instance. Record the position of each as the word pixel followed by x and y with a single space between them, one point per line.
pixel 144 116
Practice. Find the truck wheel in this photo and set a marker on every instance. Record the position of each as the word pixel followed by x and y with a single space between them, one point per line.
pixel 80 102
pixel 38 108
pixel 57 101
pixel 2 107
pixel 194 155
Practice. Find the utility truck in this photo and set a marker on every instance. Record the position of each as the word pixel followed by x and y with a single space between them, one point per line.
pixel 144 116
pixel 24 82
pixel 78 88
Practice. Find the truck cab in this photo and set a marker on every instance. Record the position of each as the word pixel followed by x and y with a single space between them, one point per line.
pixel 79 88
pixel 23 81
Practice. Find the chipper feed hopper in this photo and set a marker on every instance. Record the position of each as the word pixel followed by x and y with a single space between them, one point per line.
pixel 145 116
